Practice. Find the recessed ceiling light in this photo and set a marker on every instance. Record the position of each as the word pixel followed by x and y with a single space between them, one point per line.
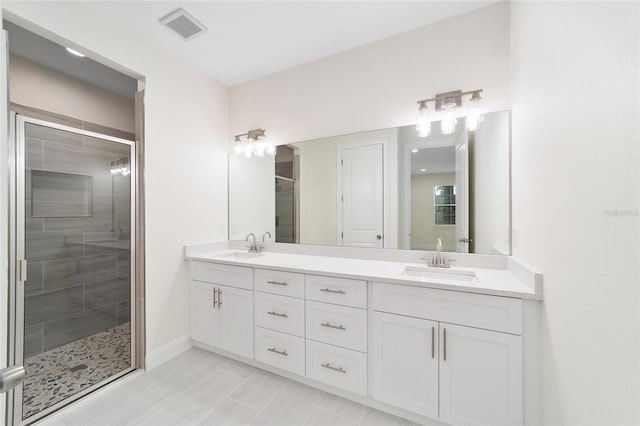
pixel 414 150
pixel 423 170
pixel 75 52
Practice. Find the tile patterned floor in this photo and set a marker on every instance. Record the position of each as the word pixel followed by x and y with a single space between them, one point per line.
pixel 201 388
pixel 64 371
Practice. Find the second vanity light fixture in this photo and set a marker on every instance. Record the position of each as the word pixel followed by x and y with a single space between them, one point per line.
pixel 449 104
pixel 255 143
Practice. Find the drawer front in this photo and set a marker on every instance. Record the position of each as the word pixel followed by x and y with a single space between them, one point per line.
pixel 342 368
pixel 278 282
pixel 280 313
pixel 475 310
pixel 280 350
pixel 337 325
pixel 339 291
pixel 217 273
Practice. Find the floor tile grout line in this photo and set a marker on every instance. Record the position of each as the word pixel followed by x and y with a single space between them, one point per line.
pixel 269 402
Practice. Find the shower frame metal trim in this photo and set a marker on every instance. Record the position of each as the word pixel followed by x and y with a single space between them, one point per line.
pixel 17 254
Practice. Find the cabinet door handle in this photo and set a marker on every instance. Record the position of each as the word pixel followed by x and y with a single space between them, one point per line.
pixel 219 298
pixel 444 343
pixel 274 350
pixel 283 315
pixel 215 291
pixel 331 367
pixel 433 342
pixel 277 282
pixel 328 290
pixel 337 327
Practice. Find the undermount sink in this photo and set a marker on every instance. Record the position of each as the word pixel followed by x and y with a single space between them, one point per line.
pixel 441 274
pixel 241 255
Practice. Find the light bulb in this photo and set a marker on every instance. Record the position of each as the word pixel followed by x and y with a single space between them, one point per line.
pixel 474 114
pixel 248 150
pixel 271 149
pixel 261 147
pixel 237 149
pixel 113 171
pixel 423 125
pixel 75 52
pixel 449 120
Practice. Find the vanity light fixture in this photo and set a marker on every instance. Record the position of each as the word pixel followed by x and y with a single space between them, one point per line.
pixel 120 167
pixel 449 104
pixel 255 143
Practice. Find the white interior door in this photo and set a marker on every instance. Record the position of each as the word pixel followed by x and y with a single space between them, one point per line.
pixel 362 196
pixel 462 194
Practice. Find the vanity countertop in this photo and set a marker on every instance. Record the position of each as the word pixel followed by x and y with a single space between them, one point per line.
pixel 498 282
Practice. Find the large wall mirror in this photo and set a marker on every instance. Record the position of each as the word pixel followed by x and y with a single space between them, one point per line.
pixel 381 189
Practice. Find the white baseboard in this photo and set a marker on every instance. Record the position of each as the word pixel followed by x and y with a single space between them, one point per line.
pixel 168 351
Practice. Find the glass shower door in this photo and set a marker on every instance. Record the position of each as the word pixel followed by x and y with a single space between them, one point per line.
pixel 74 211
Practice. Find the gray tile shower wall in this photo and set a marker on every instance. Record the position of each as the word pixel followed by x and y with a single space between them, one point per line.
pixel 78 280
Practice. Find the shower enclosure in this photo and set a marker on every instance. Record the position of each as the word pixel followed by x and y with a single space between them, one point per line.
pixel 74 248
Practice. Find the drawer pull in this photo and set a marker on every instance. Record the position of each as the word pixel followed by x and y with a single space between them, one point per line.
pixel 283 315
pixel 283 353
pixel 331 367
pixel 215 291
pixel 328 290
pixel 337 327
pixel 277 282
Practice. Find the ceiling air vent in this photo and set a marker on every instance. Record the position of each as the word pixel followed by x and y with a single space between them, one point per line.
pixel 185 25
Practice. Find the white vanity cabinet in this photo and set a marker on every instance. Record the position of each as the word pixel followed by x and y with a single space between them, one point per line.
pixel 457 373
pixel 222 315
pixel 419 352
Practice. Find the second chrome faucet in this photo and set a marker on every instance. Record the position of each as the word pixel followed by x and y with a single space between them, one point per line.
pixel 254 247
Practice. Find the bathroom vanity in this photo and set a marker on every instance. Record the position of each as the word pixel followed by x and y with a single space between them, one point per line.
pixel 457 345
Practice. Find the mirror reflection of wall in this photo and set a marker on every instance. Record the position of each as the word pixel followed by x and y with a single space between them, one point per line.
pixel 385 188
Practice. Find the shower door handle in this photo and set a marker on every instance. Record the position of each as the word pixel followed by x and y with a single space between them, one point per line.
pixel 22 270
pixel 11 377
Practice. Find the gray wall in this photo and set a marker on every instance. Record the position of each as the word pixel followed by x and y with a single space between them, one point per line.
pixel 78 280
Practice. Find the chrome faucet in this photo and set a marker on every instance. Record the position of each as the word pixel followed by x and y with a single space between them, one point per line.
pixel 265 234
pixel 439 261
pixel 253 248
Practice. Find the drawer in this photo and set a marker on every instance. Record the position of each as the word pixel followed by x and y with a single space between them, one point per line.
pixel 217 273
pixel 339 367
pixel 280 313
pixel 475 310
pixel 337 325
pixel 278 282
pixel 340 291
pixel 280 350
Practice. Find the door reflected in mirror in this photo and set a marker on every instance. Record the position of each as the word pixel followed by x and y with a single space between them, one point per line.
pixel 384 188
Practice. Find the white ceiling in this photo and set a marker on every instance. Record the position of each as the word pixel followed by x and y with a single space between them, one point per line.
pixel 250 39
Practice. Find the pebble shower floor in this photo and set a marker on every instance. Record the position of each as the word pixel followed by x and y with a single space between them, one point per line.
pixel 62 372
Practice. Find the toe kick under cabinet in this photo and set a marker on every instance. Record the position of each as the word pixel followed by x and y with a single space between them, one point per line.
pixel 440 354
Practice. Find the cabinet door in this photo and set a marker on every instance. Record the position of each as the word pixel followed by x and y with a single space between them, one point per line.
pixel 204 317
pixel 480 376
pixel 236 320
pixel 405 362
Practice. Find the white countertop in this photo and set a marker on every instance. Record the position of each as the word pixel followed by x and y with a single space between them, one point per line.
pixel 499 282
